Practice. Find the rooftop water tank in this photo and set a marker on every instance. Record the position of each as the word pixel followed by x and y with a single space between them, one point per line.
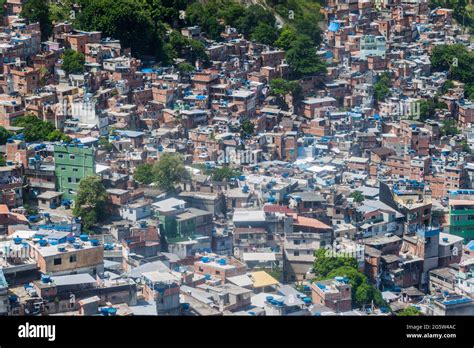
pixel 269 298
pixel 43 242
pixel 45 279
pixel 84 237
pixel 77 245
pixel 17 240
pixel 94 242
pixel 205 259
pixel 61 248
pixel 222 262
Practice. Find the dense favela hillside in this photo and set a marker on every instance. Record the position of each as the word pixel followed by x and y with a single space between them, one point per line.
pixel 266 157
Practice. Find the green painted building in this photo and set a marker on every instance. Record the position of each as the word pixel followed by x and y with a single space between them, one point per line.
pixel 72 163
pixel 461 219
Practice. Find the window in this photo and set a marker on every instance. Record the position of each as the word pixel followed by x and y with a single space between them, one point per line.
pixel 296 242
pixel 77 180
pixel 73 258
pixel 69 179
pixel 60 155
pixel 57 261
pixel 201 269
pixel 218 272
pixel 72 157
pixel 75 169
pixel 296 253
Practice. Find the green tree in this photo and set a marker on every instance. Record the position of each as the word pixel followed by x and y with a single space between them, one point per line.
pixel 190 49
pixel 57 135
pixel 38 11
pixel 469 92
pixel 224 173
pixel 449 128
pixel 35 129
pixel 363 293
pixel 73 62
pixel 465 146
pixel 265 34
pixel 246 128
pixel 204 15
pixel 427 108
pixel 324 263
pixel 138 24
pixel 252 17
pixel 90 203
pixel 409 311
pixel 447 86
pixel 169 171
pixel 105 144
pixel 458 61
pixel 281 88
pixel 382 87
pixel 286 38
pixel 358 196
pixel 308 25
pixel 185 68
pixel 4 135
pixel 302 58
pixel 144 173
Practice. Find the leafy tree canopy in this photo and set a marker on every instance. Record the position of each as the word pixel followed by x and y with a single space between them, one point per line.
pixel 169 171
pixel 38 11
pixel 409 311
pixel 38 130
pixel 73 62
pixel 90 202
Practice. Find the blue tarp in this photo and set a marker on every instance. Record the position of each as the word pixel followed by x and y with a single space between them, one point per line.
pixel 334 26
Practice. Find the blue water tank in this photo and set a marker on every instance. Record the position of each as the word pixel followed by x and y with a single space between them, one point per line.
pixel 84 237
pixel 108 246
pixel 45 279
pixel 43 242
pixel 94 242
pixel 269 298
pixel 207 276
pixel 17 240
pixel 71 239
pixel 205 259
pixel 77 245
pixel 222 262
